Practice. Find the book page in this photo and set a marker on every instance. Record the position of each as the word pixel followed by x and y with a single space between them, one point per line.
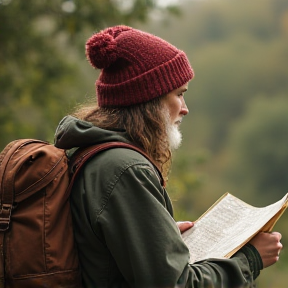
pixel 228 225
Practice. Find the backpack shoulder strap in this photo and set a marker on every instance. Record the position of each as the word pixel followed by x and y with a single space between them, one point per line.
pixel 83 154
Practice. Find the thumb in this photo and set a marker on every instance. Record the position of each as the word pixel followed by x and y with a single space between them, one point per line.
pixel 184 225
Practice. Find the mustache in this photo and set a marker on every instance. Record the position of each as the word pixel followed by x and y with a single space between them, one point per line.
pixel 179 121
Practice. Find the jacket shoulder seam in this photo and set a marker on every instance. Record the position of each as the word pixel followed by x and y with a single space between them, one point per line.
pixel 113 183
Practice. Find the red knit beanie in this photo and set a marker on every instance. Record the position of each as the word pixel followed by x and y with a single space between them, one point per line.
pixel 135 66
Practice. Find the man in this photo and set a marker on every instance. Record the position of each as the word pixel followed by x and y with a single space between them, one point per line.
pixel 124 226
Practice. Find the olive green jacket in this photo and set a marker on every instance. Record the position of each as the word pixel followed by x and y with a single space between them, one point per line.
pixel 124 225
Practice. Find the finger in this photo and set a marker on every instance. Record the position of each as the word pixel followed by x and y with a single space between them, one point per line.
pixel 278 235
pixel 280 246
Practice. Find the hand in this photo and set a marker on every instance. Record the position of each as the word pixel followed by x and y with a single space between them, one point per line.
pixel 268 246
pixel 184 225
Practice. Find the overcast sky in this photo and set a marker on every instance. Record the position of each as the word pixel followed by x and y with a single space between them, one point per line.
pixel 167 2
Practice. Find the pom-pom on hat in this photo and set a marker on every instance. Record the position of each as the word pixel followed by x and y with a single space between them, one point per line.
pixel 136 66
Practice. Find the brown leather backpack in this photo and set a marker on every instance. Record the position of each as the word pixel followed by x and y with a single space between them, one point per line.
pixel 37 246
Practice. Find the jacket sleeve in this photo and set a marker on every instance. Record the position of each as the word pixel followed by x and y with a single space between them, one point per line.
pixel 146 244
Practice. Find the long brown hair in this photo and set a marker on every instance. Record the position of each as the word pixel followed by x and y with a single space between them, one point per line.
pixel 145 125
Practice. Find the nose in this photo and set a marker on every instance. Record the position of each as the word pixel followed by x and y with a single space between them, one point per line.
pixel 184 108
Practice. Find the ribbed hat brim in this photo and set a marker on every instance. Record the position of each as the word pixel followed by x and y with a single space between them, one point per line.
pixel 146 86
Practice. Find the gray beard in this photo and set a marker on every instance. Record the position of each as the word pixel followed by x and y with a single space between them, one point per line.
pixel 174 136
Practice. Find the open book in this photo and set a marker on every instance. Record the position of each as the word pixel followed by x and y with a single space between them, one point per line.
pixel 228 225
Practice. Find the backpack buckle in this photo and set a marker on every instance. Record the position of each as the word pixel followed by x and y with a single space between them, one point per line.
pixel 5 215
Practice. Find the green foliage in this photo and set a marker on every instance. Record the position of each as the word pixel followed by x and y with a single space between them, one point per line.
pixel 258 149
pixel 42 54
pixel 185 181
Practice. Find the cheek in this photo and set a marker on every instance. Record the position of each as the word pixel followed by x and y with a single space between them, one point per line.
pixel 174 111
pixel 173 104
pixel 175 107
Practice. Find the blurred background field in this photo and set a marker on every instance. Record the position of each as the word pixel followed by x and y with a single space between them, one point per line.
pixel 236 134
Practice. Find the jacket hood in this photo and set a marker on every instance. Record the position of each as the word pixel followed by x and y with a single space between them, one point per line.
pixel 73 133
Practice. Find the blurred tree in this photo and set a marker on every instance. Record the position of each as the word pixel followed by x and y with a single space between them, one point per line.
pixel 186 181
pixel 258 150
pixel 41 72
